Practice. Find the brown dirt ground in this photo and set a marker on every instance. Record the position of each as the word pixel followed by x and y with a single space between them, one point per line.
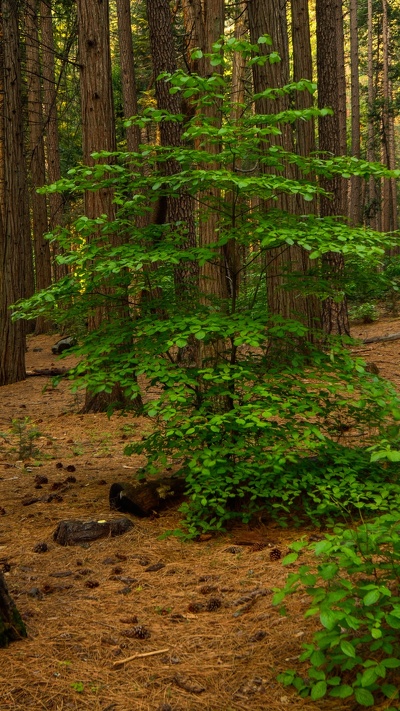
pixel 80 603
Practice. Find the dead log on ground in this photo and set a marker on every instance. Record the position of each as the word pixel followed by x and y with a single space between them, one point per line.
pixel 11 624
pixel 75 532
pixel 49 372
pixel 377 339
pixel 146 498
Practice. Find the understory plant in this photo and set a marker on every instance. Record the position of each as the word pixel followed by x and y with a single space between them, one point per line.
pixel 355 591
pixel 250 405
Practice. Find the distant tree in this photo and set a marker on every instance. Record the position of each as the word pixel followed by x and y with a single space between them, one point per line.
pixel 128 74
pixel 50 122
pixel 355 199
pixel 36 155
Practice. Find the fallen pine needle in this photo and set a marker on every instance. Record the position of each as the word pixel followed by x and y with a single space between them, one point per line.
pixel 138 656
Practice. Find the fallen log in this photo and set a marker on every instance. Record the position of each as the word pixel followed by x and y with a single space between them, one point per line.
pixel 377 339
pixel 146 498
pixel 75 532
pixel 11 624
pixel 49 372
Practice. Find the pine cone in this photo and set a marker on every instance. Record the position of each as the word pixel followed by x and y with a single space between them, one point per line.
pixel 275 554
pixel 258 546
pixel 207 589
pixel 213 604
pixel 139 632
pixel 195 607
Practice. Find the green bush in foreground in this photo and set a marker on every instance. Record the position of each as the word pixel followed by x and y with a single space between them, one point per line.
pixel 355 591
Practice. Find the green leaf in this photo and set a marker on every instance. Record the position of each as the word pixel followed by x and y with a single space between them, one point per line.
pixel 328 619
pixel 371 597
pixel 369 677
pixel 341 692
pixel 364 697
pixel 318 690
pixel 391 663
pixel 347 648
pixel 288 559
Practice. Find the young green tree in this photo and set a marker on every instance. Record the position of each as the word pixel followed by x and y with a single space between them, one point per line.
pixel 261 426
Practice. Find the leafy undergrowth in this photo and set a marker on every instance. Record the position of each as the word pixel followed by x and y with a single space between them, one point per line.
pixel 207 603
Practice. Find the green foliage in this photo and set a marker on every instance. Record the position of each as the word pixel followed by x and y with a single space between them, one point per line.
pixel 21 438
pixel 355 593
pixel 367 312
pixel 242 399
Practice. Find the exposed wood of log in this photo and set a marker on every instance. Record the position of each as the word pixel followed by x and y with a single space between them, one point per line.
pixel 11 624
pixel 144 499
pixel 47 371
pixel 377 339
pixel 74 532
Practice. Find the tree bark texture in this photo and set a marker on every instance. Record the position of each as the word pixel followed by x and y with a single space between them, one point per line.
pixel 329 33
pixel 389 191
pixel 355 201
pixel 98 134
pixel 12 627
pixel 37 158
pixel 128 77
pixel 372 206
pixel 55 200
pixel 269 17
pixel 16 265
pixel 178 209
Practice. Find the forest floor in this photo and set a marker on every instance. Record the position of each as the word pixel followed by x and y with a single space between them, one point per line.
pixel 206 612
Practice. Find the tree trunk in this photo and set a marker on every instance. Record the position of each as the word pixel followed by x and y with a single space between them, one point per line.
pixel 302 69
pixel 55 200
pixel 372 207
pixel 98 133
pixel 16 266
pixel 37 159
pixel 329 17
pixel 270 18
pixel 12 627
pixel 389 196
pixel 128 78
pixel 355 201
pixel 178 209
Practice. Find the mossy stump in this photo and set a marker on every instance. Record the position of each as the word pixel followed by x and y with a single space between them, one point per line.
pixel 11 624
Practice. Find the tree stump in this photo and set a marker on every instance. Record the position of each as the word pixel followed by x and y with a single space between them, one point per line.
pixel 144 499
pixel 75 532
pixel 11 624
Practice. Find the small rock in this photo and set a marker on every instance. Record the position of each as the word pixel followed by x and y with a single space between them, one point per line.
pixel 35 592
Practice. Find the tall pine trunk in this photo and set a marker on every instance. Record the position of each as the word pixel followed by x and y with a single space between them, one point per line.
pixel 16 265
pixel 98 134
pixel 355 201
pixel 52 144
pixel 389 192
pixel 329 67
pixel 37 159
pixel 128 77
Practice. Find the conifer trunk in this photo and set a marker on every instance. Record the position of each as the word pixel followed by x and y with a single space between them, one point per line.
pixel 37 159
pixel 329 66
pixel 16 265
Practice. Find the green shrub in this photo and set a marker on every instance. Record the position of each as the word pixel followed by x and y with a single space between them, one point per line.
pixel 355 591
